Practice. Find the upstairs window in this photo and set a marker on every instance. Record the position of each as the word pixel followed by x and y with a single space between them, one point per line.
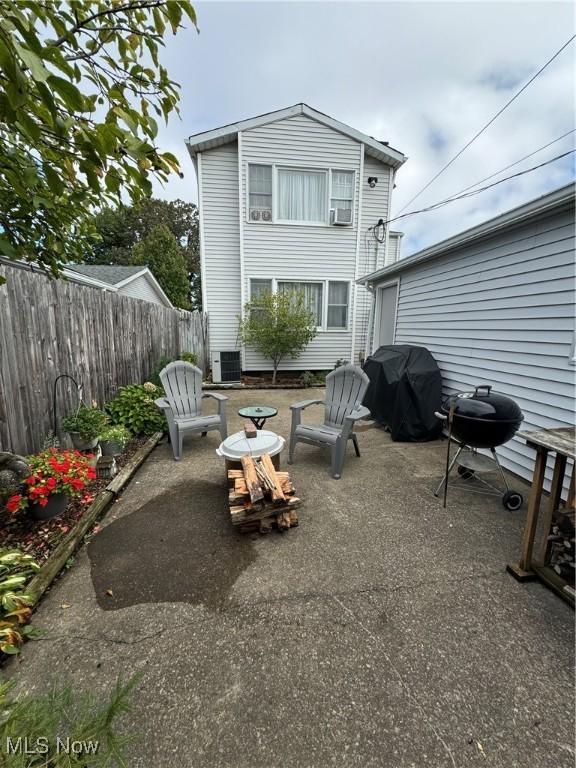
pixel 318 197
pixel 302 196
pixel 260 192
pixel 342 199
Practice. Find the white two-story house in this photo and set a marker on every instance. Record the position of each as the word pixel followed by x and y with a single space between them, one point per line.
pixel 292 199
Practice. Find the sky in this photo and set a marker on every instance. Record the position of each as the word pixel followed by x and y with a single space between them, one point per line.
pixel 424 76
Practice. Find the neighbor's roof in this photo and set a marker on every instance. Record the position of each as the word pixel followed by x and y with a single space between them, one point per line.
pixel 200 142
pixel 107 273
pixel 563 197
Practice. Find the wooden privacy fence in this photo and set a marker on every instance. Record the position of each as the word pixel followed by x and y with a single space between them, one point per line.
pixel 103 339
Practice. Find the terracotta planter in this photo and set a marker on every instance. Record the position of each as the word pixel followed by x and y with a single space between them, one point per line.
pixel 57 503
pixel 82 443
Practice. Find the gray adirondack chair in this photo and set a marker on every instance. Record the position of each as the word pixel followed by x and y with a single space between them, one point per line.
pixel 182 405
pixel 345 390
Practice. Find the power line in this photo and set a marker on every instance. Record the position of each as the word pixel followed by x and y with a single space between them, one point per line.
pixel 489 123
pixel 482 189
pixel 516 162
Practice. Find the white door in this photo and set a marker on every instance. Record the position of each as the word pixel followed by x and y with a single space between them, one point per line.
pixel 386 320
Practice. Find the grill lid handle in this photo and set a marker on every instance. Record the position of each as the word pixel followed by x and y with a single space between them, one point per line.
pixel 487 387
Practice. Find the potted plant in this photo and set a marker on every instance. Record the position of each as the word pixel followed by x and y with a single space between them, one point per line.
pixel 84 426
pixel 55 477
pixel 113 440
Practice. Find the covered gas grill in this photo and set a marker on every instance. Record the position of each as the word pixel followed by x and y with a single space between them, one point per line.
pixel 480 419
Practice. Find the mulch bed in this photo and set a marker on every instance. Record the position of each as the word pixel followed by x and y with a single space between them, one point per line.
pixel 39 538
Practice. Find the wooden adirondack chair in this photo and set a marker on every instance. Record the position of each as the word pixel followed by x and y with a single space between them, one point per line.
pixel 182 405
pixel 345 390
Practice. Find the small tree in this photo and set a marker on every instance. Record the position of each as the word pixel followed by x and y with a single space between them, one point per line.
pixel 161 253
pixel 277 325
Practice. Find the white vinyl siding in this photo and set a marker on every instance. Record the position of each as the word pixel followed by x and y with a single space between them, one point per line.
pixel 142 288
pixel 306 252
pixel 501 312
pixel 375 206
pixel 221 244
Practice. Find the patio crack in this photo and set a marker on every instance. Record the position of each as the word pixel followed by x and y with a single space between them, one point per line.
pixel 404 686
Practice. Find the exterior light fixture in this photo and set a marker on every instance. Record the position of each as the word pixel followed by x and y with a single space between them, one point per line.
pixel 372 181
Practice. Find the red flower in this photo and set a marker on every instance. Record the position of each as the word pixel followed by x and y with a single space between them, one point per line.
pixel 13 503
pixel 51 483
pixel 30 480
pixel 43 502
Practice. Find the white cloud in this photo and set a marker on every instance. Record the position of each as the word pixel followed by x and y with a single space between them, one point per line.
pixel 423 76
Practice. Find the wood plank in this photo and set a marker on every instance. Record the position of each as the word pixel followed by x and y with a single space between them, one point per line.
pixel 277 493
pixel 254 488
pixel 561 440
pixel 533 509
pixel 552 506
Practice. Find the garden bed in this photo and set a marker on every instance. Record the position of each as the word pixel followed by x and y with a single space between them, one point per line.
pixel 39 538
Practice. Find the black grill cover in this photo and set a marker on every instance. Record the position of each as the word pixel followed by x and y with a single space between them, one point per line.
pixel 404 391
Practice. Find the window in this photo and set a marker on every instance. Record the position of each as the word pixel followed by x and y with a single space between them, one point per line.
pixel 302 196
pixel 342 191
pixel 258 287
pixel 299 196
pixel 260 192
pixel 337 305
pixel 312 296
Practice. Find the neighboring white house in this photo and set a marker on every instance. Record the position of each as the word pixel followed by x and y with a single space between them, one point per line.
pixel 494 305
pixel 293 199
pixel 137 282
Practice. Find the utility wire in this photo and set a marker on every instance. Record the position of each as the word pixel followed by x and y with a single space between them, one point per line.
pixel 516 162
pixel 489 123
pixel 477 191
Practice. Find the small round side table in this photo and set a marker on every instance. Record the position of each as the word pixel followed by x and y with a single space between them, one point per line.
pixel 258 414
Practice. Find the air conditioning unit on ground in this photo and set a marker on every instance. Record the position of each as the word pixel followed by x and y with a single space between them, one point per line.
pixel 342 217
pixel 226 367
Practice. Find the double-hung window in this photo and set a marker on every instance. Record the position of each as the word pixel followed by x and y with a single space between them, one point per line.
pixel 337 305
pixel 260 192
pixel 342 194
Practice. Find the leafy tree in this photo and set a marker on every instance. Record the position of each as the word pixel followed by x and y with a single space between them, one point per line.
pixel 278 325
pixel 121 228
pixel 160 251
pixel 81 87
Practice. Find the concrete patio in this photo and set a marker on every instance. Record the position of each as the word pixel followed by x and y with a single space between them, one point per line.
pixel 383 631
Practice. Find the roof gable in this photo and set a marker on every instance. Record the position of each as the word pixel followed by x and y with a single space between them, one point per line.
pixel 228 133
pixel 107 273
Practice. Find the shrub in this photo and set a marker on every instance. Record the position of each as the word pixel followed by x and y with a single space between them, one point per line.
pixel 188 357
pixel 115 434
pixel 307 378
pixel 277 325
pixel 134 408
pixel 88 422
pixel 51 472
pixel 16 569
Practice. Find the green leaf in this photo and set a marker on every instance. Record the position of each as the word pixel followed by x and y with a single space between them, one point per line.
pixel 69 93
pixel 33 62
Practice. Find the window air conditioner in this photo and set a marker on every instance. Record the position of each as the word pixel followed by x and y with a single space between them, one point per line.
pixel 257 214
pixel 226 367
pixel 342 217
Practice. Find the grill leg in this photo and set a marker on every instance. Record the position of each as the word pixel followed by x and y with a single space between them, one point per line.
pixel 502 475
pixel 445 478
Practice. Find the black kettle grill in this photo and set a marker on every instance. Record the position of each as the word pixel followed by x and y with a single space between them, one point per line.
pixel 480 419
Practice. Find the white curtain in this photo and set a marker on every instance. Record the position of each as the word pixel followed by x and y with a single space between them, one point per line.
pixel 312 296
pixel 301 196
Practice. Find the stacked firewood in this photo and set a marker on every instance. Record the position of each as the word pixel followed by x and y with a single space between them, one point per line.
pixel 561 542
pixel 260 497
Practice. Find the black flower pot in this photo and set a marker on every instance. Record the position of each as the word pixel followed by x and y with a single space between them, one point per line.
pixel 83 443
pixel 57 503
pixel 111 448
